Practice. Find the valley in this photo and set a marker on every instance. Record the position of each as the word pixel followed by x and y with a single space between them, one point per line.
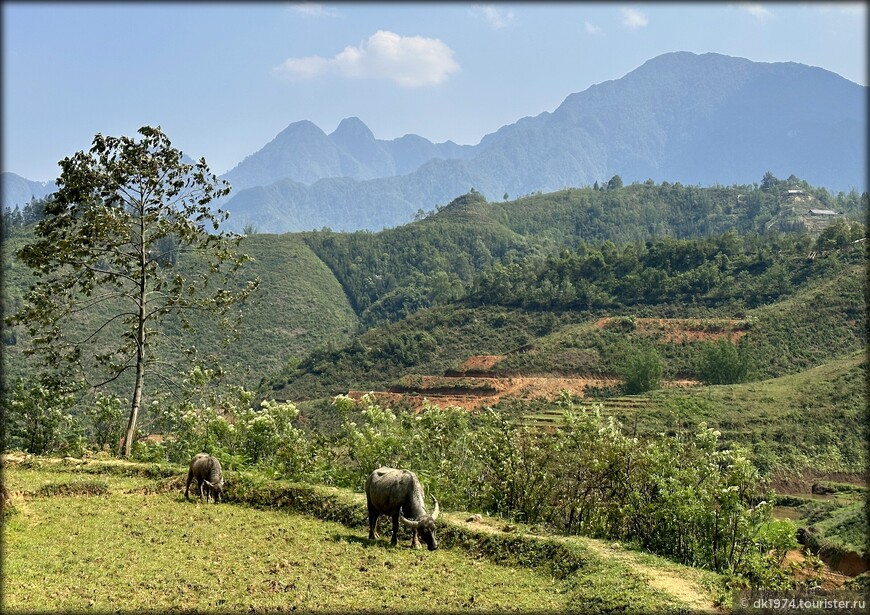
pixel 583 313
pixel 505 338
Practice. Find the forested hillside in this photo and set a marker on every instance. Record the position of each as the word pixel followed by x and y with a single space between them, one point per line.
pixel 298 306
pixel 343 311
pixel 442 257
pixel 797 313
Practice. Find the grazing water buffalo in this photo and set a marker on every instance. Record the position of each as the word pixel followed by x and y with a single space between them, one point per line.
pixel 396 493
pixel 207 471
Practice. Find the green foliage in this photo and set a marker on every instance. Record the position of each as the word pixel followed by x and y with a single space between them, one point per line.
pixel 684 496
pixel 392 274
pixel 513 479
pixel 723 362
pixel 105 419
pixel 108 239
pixel 642 372
pixel 37 419
pixel 839 235
pixel 267 436
pixel 376 441
pixel 716 271
pixel 614 183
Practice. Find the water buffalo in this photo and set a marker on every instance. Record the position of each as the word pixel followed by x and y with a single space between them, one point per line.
pixel 395 493
pixel 207 471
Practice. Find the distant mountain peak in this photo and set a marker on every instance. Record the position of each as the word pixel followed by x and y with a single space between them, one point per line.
pixel 679 117
pixel 302 127
pixel 352 128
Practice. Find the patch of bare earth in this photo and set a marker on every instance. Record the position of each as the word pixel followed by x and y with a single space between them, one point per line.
pixel 494 390
pixel 481 362
pixel 686 329
pixel 672 582
pixel 831 579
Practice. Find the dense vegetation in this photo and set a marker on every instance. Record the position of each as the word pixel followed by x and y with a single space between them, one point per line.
pixel 793 313
pixel 566 278
pixel 471 245
pixel 277 534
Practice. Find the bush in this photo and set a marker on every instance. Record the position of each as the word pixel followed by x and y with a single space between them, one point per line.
pixel 106 420
pixel 38 420
pixel 723 363
pixel 642 371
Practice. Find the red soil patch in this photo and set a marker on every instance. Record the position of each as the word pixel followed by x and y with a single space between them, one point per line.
pixel 480 363
pixel 497 389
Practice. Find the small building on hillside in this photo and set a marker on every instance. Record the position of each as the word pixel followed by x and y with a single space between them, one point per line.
pixel 827 213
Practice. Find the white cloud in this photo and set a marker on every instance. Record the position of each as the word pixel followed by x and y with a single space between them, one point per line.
pixel 759 11
pixel 410 61
pixel 634 19
pixel 850 8
pixel 591 28
pixel 313 9
pixel 497 18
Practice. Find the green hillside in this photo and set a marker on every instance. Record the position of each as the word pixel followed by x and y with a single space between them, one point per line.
pixel 298 306
pixel 430 341
pixel 338 312
pixel 815 419
pixel 815 314
pixel 389 275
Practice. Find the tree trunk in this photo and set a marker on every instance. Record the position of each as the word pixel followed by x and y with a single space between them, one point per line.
pixel 137 397
pixel 140 343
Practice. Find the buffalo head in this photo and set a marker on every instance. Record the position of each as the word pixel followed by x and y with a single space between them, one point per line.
pixel 424 526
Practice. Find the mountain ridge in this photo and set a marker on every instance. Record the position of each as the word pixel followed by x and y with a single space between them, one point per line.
pixel 692 118
pixel 698 119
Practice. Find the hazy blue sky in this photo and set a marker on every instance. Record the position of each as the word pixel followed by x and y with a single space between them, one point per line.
pixel 223 79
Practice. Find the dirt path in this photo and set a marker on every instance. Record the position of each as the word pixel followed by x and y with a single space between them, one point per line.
pixel 680 583
pixel 671 582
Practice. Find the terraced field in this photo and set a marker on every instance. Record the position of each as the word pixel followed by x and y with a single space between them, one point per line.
pixel 137 545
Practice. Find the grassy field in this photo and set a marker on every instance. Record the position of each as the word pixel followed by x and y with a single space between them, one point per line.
pixel 813 420
pixel 109 539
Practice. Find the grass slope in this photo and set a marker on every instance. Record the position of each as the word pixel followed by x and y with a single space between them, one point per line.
pixel 299 305
pixel 141 547
pixel 816 419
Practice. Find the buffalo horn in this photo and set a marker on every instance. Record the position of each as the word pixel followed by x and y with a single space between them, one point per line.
pixel 411 524
pixel 436 511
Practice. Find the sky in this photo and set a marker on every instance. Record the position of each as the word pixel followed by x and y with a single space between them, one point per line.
pixel 223 79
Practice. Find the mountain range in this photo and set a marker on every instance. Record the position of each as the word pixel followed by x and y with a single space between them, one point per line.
pixel 680 117
pixel 19 191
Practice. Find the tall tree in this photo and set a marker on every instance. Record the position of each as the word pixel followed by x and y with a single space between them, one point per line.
pixel 100 261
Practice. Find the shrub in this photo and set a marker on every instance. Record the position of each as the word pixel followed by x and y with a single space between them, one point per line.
pixel 38 420
pixel 106 420
pixel 642 371
pixel 723 363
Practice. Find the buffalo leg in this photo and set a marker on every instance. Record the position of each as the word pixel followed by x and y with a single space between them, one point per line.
pixel 415 540
pixel 373 524
pixel 395 539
